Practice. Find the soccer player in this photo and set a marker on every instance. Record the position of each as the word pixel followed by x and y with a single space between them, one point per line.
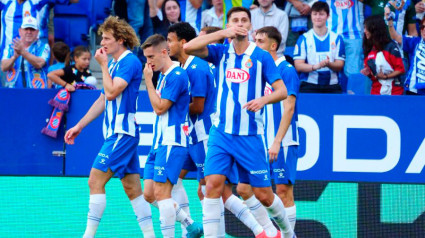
pixel 319 55
pixel 170 101
pixel 118 155
pixel 238 128
pixel 282 124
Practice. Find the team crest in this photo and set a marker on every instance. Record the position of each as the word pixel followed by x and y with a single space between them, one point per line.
pixel 248 63
pixel 333 45
pixel 27 14
pixel 37 81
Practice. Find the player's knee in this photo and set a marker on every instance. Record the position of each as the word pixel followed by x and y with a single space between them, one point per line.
pixel 149 197
pixel 266 200
pixel 282 191
pixel 244 191
pixel 95 184
pixel 132 191
pixel 213 189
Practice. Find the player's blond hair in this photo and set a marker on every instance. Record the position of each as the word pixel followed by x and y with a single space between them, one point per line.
pixel 121 30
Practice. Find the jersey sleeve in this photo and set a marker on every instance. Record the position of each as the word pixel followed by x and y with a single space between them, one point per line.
pixel 395 59
pixel 173 86
pixel 340 47
pixel 290 78
pixel 198 82
pixel 409 43
pixel 300 49
pixel 125 70
pixel 215 52
pixel 269 71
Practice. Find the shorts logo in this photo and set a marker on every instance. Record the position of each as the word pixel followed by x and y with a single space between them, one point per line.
pixel 259 171
pixel 266 177
pixel 159 170
pixel 344 4
pixel 102 161
pixel 237 75
pixel 201 166
pixel 103 155
pixel 281 175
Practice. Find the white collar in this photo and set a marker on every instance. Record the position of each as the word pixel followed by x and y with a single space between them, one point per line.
pixel 248 50
pixel 280 60
pixel 124 54
pixel 175 64
pixel 188 61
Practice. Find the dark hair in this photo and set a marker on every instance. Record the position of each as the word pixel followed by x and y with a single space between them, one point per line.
pixel 153 40
pixel 379 37
pixel 164 16
pixel 183 30
pixel 320 6
pixel 238 9
pixel 61 52
pixel 272 33
pixel 79 50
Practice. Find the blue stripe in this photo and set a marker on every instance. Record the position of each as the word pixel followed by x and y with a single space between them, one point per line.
pixel 199 18
pixel 144 218
pixel 252 125
pixel 225 92
pixel 241 212
pixel 258 205
pixel 334 26
pixel 182 10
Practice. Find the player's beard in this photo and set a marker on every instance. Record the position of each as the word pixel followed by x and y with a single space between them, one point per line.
pixel 240 37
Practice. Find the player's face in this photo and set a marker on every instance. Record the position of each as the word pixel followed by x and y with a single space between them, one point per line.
pixel 28 35
pixel 83 61
pixel 240 19
pixel 155 57
pixel 174 45
pixel 319 18
pixel 172 11
pixel 109 43
pixel 265 3
pixel 262 41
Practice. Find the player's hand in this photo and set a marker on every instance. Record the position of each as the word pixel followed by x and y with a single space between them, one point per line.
pixel 254 105
pixel 148 72
pixel 420 7
pixel 365 71
pixel 101 57
pixel 71 134
pixel 273 152
pixel 70 87
pixel 234 31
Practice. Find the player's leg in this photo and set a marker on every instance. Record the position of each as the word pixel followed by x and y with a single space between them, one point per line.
pixel 240 210
pixel 284 173
pixel 253 163
pixel 179 193
pixel 142 209
pixel 97 202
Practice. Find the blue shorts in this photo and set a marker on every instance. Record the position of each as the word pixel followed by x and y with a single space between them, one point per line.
pixel 149 166
pixel 248 152
pixel 168 162
pixel 119 153
pixel 285 168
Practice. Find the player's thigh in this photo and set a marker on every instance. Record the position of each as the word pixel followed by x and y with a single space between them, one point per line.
pixel 163 190
pixel 98 178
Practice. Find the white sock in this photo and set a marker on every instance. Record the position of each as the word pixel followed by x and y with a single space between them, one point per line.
pixel 222 226
pixel 180 196
pixel 97 204
pixel 241 211
pixel 292 215
pixel 181 216
pixel 167 217
pixel 277 212
pixel 211 217
pixel 261 215
pixel 144 215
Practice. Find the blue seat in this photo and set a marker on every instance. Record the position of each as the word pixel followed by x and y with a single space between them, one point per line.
pixel 72 30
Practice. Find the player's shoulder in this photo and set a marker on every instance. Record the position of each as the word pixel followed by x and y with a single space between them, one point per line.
pixel 178 72
pixel 130 59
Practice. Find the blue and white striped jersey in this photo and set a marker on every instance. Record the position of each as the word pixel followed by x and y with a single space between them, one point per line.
pixel 201 85
pixel 241 78
pixel 120 112
pixel 345 18
pixel 12 14
pixel 274 112
pixel 313 49
pixel 190 14
pixel 171 128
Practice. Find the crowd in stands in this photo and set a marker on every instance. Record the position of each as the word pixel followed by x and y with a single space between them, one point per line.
pixel 341 43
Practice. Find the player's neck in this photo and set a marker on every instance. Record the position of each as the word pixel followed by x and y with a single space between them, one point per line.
pixel 182 58
pixel 240 45
pixel 320 31
pixel 118 53
pixel 168 63
pixel 273 53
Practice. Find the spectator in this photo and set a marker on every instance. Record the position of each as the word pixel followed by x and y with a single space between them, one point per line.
pixel 191 12
pixel 419 9
pixel 415 47
pixel 26 61
pixel 383 63
pixel 61 54
pixel 404 13
pixel 169 14
pixel 298 12
pixel 319 55
pixel 214 15
pixel 69 76
pixel 346 20
pixel 269 15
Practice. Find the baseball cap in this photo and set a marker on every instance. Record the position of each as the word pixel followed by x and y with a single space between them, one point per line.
pixel 29 22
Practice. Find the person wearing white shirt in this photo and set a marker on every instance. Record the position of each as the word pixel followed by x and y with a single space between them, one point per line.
pixel 214 15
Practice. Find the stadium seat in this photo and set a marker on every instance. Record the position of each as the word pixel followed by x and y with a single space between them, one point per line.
pixel 72 30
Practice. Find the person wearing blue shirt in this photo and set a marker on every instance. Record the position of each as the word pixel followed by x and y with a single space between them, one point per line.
pixel 26 61
pixel 414 46
pixel 319 55
pixel 237 134
pixel 118 156
pixel 170 101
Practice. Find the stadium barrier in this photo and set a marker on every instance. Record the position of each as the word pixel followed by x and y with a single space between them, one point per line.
pixel 360 172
